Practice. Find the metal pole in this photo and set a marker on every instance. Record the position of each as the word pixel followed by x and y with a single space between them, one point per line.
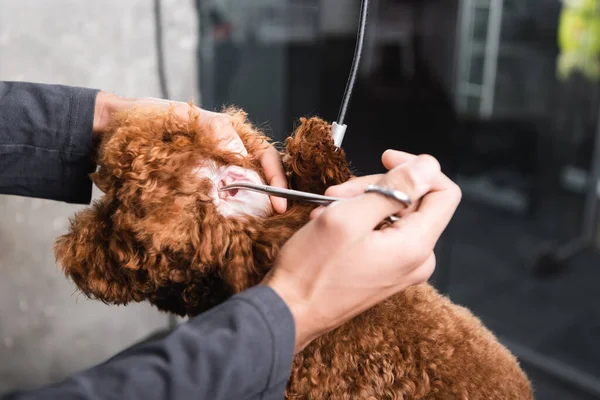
pixel 554 258
pixel 464 49
pixel 591 197
pixel 490 66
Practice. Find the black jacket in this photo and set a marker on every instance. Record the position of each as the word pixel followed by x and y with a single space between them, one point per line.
pixel 241 349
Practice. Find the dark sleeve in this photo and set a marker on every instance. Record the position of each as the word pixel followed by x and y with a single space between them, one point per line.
pixel 46 141
pixel 242 349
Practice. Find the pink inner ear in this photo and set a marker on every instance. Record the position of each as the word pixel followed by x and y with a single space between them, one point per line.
pixel 235 203
pixel 229 193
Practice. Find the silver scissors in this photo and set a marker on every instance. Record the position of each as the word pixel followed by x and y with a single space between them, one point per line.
pixel 291 194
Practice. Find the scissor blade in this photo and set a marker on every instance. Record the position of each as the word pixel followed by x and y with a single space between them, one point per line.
pixel 289 194
pixel 294 195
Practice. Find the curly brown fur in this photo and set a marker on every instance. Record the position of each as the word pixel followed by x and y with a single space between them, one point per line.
pixel 156 236
pixel 416 345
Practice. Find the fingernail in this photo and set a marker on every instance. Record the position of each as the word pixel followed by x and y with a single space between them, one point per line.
pixel 279 204
pixel 316 212
pixel 332 190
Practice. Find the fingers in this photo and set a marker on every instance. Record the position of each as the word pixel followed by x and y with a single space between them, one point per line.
pixel 275 175
pixel 230 141
pixel 425 225
pixel 421 273
pixel 221 127
pixel 402 278
pixel 353 187
pixel 415 178
pixel 356 186
pixel 393 158
pixel 424 271
pixel 436 210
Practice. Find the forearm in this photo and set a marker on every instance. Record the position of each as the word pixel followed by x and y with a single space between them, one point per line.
pixel 241 349
pixel 46 141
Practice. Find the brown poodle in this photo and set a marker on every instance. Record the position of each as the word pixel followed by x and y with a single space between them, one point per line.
pixel 163 233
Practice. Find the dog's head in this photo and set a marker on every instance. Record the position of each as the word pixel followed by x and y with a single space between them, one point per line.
pixel 163 232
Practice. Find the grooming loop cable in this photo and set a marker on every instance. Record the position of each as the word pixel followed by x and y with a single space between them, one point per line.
pixel 338 128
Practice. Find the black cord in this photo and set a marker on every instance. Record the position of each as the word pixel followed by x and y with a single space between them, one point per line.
pixel 160 54
pixel 355 62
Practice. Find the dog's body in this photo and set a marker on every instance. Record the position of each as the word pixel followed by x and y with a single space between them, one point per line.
pixel 163 234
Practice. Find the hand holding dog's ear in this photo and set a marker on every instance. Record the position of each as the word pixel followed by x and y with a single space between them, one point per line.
pixel 219 125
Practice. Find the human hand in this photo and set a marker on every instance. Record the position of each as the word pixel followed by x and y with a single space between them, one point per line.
pixel 219 125
pixel 356 186
pixel 338 266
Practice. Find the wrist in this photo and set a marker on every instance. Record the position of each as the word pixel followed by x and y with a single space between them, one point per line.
pixel 306 327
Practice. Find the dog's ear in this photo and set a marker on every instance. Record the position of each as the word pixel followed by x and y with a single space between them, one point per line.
pixel 312 161
pixel 99 260
pixel 141 145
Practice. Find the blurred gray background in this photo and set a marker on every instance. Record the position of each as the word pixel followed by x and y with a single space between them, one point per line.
pixel 47 329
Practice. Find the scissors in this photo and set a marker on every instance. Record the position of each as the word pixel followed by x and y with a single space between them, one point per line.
pixel 291 194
